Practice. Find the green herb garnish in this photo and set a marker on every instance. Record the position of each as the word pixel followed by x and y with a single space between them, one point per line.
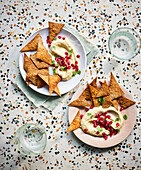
pixel 117 119
pixel 53 61
pixel 56 64
pixel 54 47
pixel 54 71
pixel 55 39
pixel 55 56
pixel 79 72
pixel 99 129
pixel 70 52
pixel 118 130
pixel 101 100
pixel 88 114
pixel 73 73
pixel 62 68
pixel 91 117
pixel 125 117
pixel 104 119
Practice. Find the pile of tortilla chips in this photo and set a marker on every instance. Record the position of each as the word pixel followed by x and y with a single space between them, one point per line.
pixel 106 96
pixel 37 66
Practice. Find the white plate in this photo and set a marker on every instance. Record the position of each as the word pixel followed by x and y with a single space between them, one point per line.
pixel 64 86
pixel 100 142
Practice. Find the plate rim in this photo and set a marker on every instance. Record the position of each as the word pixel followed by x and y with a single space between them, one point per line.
pixel 31 85
pixel 75 131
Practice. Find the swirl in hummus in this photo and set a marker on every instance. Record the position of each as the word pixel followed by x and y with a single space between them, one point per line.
pixel 101 122
pixel 65 61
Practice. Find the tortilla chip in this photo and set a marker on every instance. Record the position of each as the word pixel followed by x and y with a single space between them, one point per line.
pixel 80 102
pixel 46 79
pixel 75 124
pixel 115 90
pixel 115 103
pixel 54 29
pixel 107 102
pixel 27 63
pixel 53 81
pixel 125 102
pixel 86 93
pixel 43 54
pixel 39 64
pixel 33 44
pixel 93 83
pixel 104 90
pixel 94 92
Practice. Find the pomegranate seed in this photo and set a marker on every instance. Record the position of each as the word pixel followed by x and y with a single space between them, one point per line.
pixel 86 109
pixel 105 137
pixel 78 56
pixel 106 112
pixel 117 124
pixel 66 56
pixel 47 37
pixel 53 65
pixel 59 37
pixel 96 116
pixel 103 133
pixel 47 41
pixel 108 116
pixel 69 67
pixel 95 125
pixel 94 121
pixel 101 126
pixel 72 65
pixel 115 132
pixel 97 132
pixel 85 130
pixel 76 66
pixel 121 108
pixel 108 129
pixel 60 69
pixel 49 45
pixel 64 38
pixel 69 57
pixel 68 62
pixel 76 69
pixel 66 53
pixel 81 116
pixel 76 62
pixel 110 135
pixel 63 59
pixel 110 122
pixel 91 107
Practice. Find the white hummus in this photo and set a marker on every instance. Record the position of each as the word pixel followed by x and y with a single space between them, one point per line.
pixel 87 120
pixel 60 47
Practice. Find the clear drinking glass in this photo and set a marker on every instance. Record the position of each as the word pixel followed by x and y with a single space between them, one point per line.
pixel 31 139
pixel 124 43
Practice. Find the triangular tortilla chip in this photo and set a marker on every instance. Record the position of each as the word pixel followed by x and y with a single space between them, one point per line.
pixel 45 78
pixel 115 103
pixel 53 81
pixel 86 93
pixel 43 54
pixel 54 29
pixel 28 63
pixel 39 64
pixel 115 90
pixel 93 83
pixel 125 102
pixel 107 102
pixel 33 44
pixel 80 102
pixel 75 124
pixel 94 92
pixel 104 90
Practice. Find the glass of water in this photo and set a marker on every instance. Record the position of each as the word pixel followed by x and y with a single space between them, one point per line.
pixel 31 139
pixel 124 43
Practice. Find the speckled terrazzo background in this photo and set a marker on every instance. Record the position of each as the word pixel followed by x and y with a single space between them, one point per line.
pixel 96 20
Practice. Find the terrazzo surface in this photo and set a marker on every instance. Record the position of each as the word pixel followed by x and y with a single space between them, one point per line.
pixel 96 20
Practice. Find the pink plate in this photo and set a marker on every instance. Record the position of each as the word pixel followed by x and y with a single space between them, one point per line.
pixel 100 142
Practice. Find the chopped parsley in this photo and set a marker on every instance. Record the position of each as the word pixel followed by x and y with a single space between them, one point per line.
pixel 54 71
pixel 56 64
pixel 79 72
pixel 62 68
pixel 125 117
pixel 73 73
pixel 54 47
pixel 55 39
pixel 89 114
pixel 99 129
pixel 91 117
pixel 55 56
pixel 117 119
pixel 104 119
pixel 53 61
pixel 70 52
pixel 101 100
pixel 118 130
